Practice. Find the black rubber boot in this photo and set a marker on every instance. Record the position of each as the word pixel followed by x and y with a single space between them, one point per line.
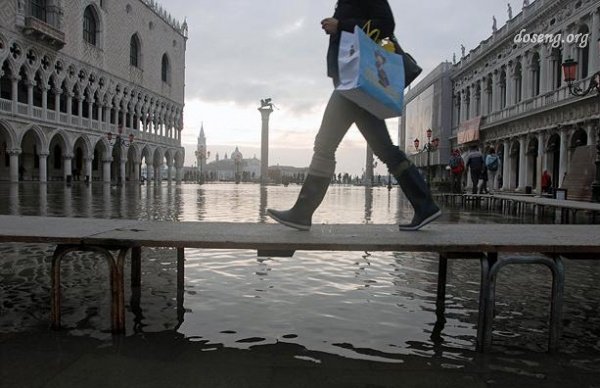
pixel 310 197
pixel 418 194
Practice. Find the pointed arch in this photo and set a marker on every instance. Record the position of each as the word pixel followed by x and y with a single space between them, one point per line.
pixel 135 51
pixel 165 72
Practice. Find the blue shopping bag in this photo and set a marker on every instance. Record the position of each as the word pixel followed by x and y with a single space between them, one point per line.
pixel 370 76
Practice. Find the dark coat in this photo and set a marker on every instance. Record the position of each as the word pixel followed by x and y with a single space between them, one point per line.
pixel 352 13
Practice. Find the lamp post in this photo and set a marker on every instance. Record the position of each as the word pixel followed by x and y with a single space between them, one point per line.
pixel 431 145
pixel 570 71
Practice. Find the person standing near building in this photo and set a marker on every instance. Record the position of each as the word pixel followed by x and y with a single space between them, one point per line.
pixel 457 166
pixel 340 114
pixel 474 162
pixel 492 164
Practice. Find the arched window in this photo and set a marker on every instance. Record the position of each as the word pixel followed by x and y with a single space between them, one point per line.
pixel 90 26
pixel 503 96
pixel 518 93
pixel 38 9
pixel 165 69
pixel 134 51
pixel 536 77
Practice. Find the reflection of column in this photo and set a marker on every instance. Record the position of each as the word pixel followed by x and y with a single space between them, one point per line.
pixel 87 201
pixel 369 167
pixel 564 138
pixel 106 170
pixel 368 204
pixel 169 171
pixel 67 209
pixel 158 173
pixel 149 171
pixel 122 171
pixel 43 167
pixel 262 209
pixel 506 166
pixel 541 161
pixel 14 165
pixel 178 174
pixel 106 199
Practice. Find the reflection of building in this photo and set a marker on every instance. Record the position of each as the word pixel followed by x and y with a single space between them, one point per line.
pixel 428 105
pixel 69 75
pixel 511 95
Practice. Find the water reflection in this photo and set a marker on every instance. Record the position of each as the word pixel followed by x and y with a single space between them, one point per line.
pixel 375 306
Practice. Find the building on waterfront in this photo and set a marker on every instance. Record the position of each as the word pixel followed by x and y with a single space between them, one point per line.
pixel 509 92
pixel 234 168
pixel 79 80
pixel 428 105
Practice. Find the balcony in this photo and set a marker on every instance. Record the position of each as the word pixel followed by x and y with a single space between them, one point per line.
pixel 44 32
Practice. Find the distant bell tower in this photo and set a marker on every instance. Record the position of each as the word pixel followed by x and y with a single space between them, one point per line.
pixel 201 154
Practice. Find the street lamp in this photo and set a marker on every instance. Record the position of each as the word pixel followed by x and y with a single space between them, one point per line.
pixel 430 146
pixel 570 71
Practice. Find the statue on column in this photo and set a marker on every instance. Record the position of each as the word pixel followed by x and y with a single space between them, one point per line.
pixel 510 14
pixel 525 3
pixel 462 50
pixel 494 24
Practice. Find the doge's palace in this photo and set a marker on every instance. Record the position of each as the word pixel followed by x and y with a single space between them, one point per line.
pixel 90 90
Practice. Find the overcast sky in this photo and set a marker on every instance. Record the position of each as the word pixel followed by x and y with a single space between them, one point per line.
pixel 241 51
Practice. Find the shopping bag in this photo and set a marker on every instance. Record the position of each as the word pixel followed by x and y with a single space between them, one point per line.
pixel 370 76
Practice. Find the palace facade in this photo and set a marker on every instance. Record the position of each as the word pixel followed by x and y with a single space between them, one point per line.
pixel 509 92
pixel 90 90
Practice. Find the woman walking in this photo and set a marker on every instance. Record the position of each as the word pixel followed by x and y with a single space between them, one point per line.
pixel 340 114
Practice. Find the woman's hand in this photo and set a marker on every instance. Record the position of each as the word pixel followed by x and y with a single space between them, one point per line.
pixel 330 25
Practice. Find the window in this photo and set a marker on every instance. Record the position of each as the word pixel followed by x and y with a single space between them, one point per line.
pixel 166 69
pixel 89 26
pixel 38 9
pixel 134 51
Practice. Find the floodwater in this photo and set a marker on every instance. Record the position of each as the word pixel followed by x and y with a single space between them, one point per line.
pixel 340 319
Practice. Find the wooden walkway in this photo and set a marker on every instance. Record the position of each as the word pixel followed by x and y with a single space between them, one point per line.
pixel 492 244
pixel 522 204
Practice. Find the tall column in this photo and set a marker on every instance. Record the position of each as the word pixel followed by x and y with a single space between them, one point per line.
pixel 90 111
pixel 495 91
pixel 158 173
pixel 265 112
pixel 169 171
pixel 522 164
pixel 544 65
pixel 506 166
pixel 541 161
pixel 564 138
pixel 14 165
pixel 44 101
pixel 106 170
pixel 57 93
pixel 80 106
pixel 100 110
pixel 594 49
pixel 43 157
pixel 69 105
pixel 526 71
pixel 179 173
pixel 149 170
pixel 29 98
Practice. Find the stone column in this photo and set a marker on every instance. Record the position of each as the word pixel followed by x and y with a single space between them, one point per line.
pixel 158 173
pixel 44 102
pixel 541 161
pixel 90 111
pixel 67 167
pixel 178 174
pixel 169 171
pixel 564 156
pixel 510 86
pixel 69 106
pixel 122 169
pixel 30 86
pixel 136 171
pixel 106 170
pixel 14 165
pixel 522 162
pixel 149 169
pixel 43 157
pixel 526 86
pixel 57 93
pixel 544 64
pixel 80 106
pixel 495 91
pixel 88 168
pixel 15 93
pixel 506 166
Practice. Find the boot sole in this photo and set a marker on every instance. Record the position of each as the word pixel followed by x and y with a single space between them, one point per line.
pixel 294 225
pixel 418 226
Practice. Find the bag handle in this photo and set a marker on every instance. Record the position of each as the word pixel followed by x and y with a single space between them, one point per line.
pixel 371 32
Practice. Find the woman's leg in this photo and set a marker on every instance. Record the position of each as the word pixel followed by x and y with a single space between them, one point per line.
pixel 337 119
pixel 412 183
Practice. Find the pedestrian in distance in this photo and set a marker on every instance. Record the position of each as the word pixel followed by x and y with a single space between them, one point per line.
pixel 474 162
pixel 340 114
pixel 457 167
pixel 492 164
